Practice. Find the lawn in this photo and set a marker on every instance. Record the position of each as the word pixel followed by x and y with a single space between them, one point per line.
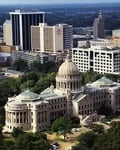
pixel 71 139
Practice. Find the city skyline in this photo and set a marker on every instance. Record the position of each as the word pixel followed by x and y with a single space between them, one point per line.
pixel 55 2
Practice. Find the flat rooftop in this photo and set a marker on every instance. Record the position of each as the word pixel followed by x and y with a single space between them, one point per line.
pixel 26 12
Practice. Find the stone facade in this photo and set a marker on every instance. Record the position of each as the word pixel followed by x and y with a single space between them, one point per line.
pixel 33 112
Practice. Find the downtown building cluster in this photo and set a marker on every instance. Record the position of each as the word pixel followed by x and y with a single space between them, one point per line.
pixel 28 31
pixel 98 54
pixel 34 112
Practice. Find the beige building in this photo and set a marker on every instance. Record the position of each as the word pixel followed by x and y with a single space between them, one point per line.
pixel 7 32
pixel 7 48
pixel 115 42
pixel 34 112
pixel 46 38
pixel 116 33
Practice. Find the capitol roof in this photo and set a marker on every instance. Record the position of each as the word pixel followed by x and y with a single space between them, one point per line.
pixel 68 68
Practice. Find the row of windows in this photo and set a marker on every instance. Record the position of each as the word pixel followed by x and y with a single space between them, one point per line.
pixel 100 97
pixel 103 66
pixel 57 100
pixel 58 106
pixel 89 111
pixel 84 67
pixel 100 59
pixel 58 113
pixel 102 70
pixel 42 105
pixel 85 106
pixel 97 93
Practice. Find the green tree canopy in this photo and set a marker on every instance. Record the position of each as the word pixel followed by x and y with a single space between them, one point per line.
pixel 16 132
pixel 20 65
pixel 62 125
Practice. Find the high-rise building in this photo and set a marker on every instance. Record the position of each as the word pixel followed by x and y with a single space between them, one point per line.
pixel 98 26
pixel 21 27
pixel 7 32
pixel 67 36
pixel 46 38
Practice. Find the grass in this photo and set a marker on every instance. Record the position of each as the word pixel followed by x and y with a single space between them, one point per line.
pixel 70 141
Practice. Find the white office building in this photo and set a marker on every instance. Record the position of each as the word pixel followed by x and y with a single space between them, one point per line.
pixel 102 60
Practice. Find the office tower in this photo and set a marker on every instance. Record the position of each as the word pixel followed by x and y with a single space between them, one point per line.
pixel 101 60
pixel 46 38
pixel 21 27
pixel 67 36
pixel 7 32
pixel 98 26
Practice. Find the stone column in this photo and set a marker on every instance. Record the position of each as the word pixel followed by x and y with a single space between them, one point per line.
pixel 75 85
pixel 56 84
pixel 15 117
pixel 19 117
pixel 10 117
pixel 22 117
pixel 34 120
pixel 6 116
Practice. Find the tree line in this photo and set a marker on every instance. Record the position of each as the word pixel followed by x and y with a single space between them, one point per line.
pixel 100 139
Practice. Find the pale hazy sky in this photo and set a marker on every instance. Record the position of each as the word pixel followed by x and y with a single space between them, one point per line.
pixel 53 1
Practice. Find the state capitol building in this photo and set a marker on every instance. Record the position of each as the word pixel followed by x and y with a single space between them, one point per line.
pixel 34 112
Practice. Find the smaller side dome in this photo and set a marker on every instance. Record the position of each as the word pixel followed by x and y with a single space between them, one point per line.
pixel 27 95
pixel 103 82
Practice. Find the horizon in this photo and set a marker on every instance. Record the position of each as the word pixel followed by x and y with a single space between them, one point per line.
pixel 92 3
pixel 53 2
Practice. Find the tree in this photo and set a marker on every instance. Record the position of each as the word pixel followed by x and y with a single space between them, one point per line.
pixel 100 140
pixel 30 141
pixel 20 65
pixel 105 110
pixel 87 139
pixel 40 135
pixel 41 145
pixel 0 131
pixel 16 132
pixel 36 66
pixel 62 125
pixel 90 76
pixel 98 129
pixel 8 88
